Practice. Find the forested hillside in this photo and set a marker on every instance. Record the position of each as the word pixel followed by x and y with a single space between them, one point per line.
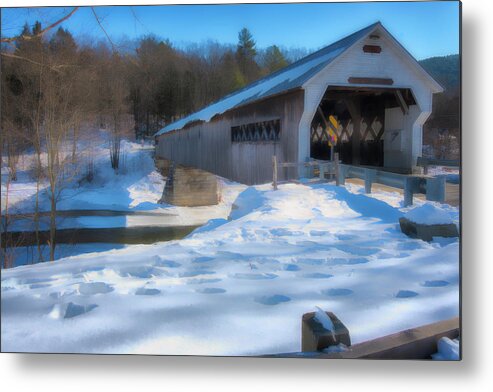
pixel 154 82
pixel 442 131
pixel 446 70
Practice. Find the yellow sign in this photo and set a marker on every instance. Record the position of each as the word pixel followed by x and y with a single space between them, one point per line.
pixel 332 131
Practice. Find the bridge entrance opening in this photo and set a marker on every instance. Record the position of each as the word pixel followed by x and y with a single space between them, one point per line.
pixel 351 122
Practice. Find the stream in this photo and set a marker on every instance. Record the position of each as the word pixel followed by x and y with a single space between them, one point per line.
pixel 22 244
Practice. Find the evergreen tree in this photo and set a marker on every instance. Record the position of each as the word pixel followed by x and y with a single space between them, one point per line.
pixel 26 30
pixel 63 43
pixel 245 56
pixel 37 28
pixel 28 44
pixel 246 45
pixel 232 77
pixel 273 59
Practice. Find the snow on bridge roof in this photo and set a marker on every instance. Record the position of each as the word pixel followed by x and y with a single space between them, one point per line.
pixel 288 78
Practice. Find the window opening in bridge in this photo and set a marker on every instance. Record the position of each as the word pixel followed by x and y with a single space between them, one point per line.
pixel 264 131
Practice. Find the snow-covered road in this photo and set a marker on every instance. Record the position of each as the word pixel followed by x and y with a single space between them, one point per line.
pixel 240 286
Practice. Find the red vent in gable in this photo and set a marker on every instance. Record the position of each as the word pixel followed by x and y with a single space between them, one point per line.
pixel 372 49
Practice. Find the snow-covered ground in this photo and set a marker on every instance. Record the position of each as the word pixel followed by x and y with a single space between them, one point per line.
pixel 240 286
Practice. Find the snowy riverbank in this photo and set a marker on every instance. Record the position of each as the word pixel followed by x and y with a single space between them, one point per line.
pixel 239 287
pixel 136 189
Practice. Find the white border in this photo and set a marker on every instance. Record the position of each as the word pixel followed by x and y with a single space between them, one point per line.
pixel 133 373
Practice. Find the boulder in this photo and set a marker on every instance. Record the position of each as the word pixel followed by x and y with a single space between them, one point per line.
pixel 426 232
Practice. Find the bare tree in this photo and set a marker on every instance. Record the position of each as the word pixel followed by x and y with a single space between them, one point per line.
pixel 8 242
pixel 60 117
pixel 113 101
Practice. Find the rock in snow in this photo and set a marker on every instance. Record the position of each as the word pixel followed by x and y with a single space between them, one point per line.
pixel 70 310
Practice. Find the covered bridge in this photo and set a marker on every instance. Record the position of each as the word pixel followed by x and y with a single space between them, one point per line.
pixel 364 94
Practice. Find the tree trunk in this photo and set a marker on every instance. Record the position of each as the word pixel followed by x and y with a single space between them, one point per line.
pixel 3 245
pixel 36 214
pixel 52 227
pixel 74 142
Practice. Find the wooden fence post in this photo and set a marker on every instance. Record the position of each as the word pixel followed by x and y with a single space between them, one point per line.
pixel 408 191
pixel 368 180
pixel 309 169
pixel 274 172
pixel 425 167
pixel 315 337
pixel 435 188
pixel 342 175
pixel 336 168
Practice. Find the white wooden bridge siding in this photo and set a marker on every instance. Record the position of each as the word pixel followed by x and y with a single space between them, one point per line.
pixel 208 146
pixel 393 63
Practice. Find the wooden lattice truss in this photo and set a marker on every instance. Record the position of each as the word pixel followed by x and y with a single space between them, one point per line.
pixel 264 131
pixel 371 127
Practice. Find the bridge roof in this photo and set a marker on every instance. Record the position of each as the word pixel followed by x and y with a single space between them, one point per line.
pixel 291 77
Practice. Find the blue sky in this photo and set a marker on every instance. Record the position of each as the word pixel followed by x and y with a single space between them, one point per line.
pixel 425 28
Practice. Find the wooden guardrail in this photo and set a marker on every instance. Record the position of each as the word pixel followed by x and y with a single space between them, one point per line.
pixel 325 167
pixel 432 187
pixel 426 162
pixel 415 343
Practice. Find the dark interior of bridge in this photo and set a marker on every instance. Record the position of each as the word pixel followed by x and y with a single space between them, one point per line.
pixel 350 121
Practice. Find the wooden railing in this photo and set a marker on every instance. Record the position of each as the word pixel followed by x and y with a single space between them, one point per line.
pixel 415 343
pixel 426 162
pixel 432 187
pixel 324 167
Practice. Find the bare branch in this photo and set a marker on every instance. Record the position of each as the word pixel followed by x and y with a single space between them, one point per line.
pixel 42 32
pixel 137 19
pixel 102 28
pixel 13 56
pixel 55 68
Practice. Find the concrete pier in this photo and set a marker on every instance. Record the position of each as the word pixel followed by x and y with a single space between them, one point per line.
pixel 188 186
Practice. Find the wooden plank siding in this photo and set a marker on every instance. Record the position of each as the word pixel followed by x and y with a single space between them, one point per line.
pixel 208 145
